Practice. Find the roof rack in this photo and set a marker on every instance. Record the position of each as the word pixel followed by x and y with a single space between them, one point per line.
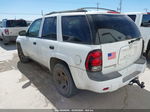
pixel 81 10
pixel 85 8
pixel 67 11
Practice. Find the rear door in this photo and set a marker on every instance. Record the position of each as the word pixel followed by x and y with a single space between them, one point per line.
pixel 120 41
pixel 48 42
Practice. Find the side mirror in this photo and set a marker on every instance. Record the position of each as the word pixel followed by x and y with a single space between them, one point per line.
pixel 22 33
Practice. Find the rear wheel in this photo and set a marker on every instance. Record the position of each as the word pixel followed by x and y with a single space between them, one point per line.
pixel 63 80
pixel 22 57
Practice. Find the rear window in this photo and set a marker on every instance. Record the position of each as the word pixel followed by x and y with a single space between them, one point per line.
pixel 133 17
pixel 114 28
pixel 16 23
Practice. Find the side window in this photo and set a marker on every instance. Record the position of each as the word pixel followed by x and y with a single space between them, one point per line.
pixel 75 29
pixel 133 17
pixel 34 28
pixel 146 21
pixel 49 28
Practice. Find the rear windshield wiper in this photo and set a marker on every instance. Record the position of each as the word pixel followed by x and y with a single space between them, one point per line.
pixel 134 40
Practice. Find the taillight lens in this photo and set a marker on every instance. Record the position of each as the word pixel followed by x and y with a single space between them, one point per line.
pixel 6 31
pixel 94 61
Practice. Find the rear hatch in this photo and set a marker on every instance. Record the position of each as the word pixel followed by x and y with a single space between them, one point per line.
pixel 120 40
pixel 14 31
pixel 15 26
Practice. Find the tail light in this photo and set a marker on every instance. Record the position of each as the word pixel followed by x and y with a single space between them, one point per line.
pixel 6 31
pixel 94 61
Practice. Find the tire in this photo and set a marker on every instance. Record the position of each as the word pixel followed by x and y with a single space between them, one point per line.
pixel 22 57
pixel 63 80
pixel 148 54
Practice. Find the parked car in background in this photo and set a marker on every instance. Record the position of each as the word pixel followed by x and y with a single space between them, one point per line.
pixel 87 50
pixel 142 20
pixel 10 29
pixel 28 23
pixel 0 24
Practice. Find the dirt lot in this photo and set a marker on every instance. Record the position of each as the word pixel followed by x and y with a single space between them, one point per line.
pixel 30 86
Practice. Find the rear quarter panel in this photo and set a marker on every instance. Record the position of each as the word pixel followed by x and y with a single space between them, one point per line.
pixel 74 54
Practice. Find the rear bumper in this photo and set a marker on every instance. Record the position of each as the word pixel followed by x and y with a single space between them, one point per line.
pixel 113 82
pixel 10 38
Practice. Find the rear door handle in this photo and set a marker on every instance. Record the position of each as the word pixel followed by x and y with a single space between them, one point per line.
pixel 51 47
pixel 34 43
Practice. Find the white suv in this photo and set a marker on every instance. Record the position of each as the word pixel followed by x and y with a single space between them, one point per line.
pixel 10 29
pixel 94 51
pixel 142 20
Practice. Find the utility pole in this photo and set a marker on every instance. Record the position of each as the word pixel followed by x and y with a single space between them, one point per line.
pixel 42 13
pixel 120 6
pixel 146 9
pixel 97 5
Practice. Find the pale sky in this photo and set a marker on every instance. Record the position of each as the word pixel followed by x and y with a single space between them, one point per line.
pixel 31 9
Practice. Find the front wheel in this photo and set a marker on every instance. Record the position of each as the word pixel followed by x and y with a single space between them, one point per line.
pixel 22 57
pixel 63 80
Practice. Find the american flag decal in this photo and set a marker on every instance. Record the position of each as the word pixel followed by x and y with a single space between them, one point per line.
pixel 111 55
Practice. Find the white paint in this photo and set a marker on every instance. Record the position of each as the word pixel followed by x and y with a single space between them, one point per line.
pixel 68 51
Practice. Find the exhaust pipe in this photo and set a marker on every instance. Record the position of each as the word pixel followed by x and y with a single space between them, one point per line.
pixel 136 81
